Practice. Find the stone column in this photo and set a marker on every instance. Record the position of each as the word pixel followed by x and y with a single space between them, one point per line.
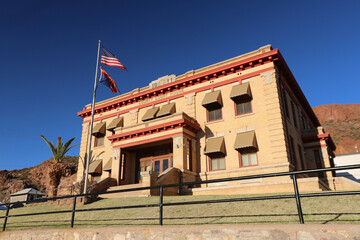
pixel 194 156
pixel 83 150
pixel 180 152
pixel 115 166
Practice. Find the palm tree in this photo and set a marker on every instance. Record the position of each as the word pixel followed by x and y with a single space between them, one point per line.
pixel 57 169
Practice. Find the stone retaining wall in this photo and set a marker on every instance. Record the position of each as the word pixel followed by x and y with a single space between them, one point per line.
pixel 288 231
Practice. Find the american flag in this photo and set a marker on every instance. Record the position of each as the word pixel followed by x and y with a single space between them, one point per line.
pixel 109 59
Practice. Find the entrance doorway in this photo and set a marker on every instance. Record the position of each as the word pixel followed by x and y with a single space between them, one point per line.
pixel 157 155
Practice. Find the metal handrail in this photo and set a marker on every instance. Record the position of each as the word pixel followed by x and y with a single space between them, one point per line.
pixel 161 204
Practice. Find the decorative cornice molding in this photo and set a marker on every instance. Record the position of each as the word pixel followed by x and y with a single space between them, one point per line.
pixel 212 74
pixel 181 123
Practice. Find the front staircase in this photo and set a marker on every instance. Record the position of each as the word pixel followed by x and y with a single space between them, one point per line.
pixel 124 194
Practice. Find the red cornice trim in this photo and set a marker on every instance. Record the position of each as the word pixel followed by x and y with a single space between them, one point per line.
pixel 231 68
pixel 328 140
pixel 155 139
pixel 200 89
pixel 323 136
pixel 181 123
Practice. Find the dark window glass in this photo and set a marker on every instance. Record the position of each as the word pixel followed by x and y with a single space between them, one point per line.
pixel 285 103
pixel 215 114
pixel 165 164
pixel 99 140
pixel 293 154
pixel 247 107
pixel 242 108
pixel 294 113
pixel 239 109
pixel 157 166
pixel 301 157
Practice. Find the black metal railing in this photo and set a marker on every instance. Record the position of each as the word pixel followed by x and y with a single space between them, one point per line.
pixel 161 203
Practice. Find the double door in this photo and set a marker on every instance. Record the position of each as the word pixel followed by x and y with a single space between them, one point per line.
pixel 158 163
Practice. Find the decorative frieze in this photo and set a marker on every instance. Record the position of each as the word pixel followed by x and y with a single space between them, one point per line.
pixel 268 76
pixel 189 98
pixel 162 81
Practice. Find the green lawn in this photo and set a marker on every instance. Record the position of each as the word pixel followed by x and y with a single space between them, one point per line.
pixel 336 209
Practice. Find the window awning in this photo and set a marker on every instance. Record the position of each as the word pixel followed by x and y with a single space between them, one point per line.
pixel 150 114
pixel 166 110
pixel 117 122
pixel 215 145
pixel 99 128
pixel 241 92
pixel 245 140
pixel 212 98
pixel 107 166
pixel 95 167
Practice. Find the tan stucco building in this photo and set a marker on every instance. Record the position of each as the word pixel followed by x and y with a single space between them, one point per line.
pixel 242 116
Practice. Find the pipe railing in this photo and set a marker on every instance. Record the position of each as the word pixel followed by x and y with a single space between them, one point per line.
pixel 161 203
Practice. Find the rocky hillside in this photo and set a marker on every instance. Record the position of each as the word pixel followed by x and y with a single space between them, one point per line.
pixel 35 177
pixel 342 121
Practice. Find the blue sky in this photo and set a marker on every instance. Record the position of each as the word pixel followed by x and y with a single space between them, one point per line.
pixel 48 55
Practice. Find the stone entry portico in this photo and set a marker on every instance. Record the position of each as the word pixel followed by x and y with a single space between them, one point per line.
pixel 177 132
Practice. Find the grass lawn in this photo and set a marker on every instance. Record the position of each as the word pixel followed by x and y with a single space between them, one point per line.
pixel 323 210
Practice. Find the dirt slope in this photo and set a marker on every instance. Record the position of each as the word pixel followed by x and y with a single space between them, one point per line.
pixel 342 121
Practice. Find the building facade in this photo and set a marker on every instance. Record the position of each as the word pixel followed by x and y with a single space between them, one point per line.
pixel 28 194
pixel 345 160
pixel 242 116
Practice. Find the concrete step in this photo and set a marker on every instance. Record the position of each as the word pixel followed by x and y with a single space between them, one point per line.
pixel 123 194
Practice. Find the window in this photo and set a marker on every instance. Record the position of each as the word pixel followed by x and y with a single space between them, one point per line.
pixel 213 104
pixel 162 165
pixel 319 163
pixel 301 157
pixel 248 157
pixel 157 166
pixel 99 140
pixel 165 164
pixel 243 108
pixel 293 154
pixel 217 163
pixel 159 163
pixel 214 114
pixel 294 113
pixel 285 103
pixel 144 165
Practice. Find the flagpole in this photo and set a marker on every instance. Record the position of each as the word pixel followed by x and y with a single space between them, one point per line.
pixel 92 121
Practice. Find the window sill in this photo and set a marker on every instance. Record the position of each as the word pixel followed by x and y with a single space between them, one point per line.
pixel 244 115
pixel 215 121
pixel 99 146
